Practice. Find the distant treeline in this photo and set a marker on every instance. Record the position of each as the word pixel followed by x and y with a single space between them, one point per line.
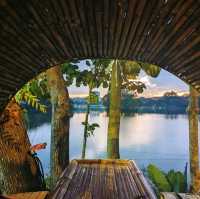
pixel 129 104
pixel 165 104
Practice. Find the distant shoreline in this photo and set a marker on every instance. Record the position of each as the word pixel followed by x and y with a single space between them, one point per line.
pixel 160 105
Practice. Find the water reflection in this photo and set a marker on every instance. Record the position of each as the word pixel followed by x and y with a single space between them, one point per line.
pixel 146 138
pixel 171 116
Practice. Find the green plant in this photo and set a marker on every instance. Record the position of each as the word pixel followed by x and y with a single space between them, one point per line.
pixel 30 93
pixel 176 180
pixel 97 75
pixel 48 180
pixel 90 128
pixel 158 178
pixel 124 78
pixel 173 181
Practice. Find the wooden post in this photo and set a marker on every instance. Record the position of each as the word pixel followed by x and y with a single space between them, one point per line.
pixel 193 140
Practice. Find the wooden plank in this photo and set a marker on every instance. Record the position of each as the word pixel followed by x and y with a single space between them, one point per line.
pixel 29 195
pixel 144 184
pixel 163 20
pixel 99 179
pixel 188 196
pixel 65 180
pixel 106 22
pixel 166 195
pixel 99 26
pixel 140 33
pixel 113 8
pixel 127 26
pixel 137 18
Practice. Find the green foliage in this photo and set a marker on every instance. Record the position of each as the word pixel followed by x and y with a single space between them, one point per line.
pixel 170 94
pixel 26 94
pixel 93 98
pixel 97 75
pixel 70 71
pixel 134 86
pixel 158 178
pixel 167 182
pixel 176 180
pixel 129 103
pixel 90 128
pixel 48 180
pixel 130 68
pixel 150 69
pixel 130 72
pixel 37 88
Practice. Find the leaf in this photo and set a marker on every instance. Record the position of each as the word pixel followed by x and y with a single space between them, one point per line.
pixel 84 123
pixel 131 68
pixel 87 63
pixel 95 125
pixel 105 84
pixel 91 128
pixel 158 178
pixel 150 69
pixel 176 180
pixel 171 176
pixel 93 98
pixel 25 94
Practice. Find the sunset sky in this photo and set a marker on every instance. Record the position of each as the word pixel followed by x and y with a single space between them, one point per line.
pixel 155 86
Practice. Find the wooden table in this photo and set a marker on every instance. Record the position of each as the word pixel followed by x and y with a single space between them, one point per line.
pixel 102 179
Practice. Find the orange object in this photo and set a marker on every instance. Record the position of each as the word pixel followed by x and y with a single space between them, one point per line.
pixel 38 147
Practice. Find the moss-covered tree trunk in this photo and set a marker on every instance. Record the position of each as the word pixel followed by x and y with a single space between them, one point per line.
pixel 193 140
pixel 18 169
pixel 114 113
pixel 60 122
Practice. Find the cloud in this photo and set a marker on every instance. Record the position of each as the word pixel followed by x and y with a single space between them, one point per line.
pixel 147 81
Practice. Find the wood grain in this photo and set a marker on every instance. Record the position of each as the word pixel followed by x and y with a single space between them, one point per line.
pixel 102 179
pixel 30 195
pixel 166 195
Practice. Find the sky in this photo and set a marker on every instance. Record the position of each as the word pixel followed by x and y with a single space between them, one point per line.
pixel 155 86
pixel 164 82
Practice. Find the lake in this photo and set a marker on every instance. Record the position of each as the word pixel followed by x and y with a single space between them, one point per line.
pixel 146 138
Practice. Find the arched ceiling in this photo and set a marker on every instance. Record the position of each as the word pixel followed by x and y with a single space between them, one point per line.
pixel 36 34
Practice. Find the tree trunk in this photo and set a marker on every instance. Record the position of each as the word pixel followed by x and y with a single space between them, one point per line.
pixel 60 122
pixel 86 126
pixel 193 140
pixel 85 132
pixel 18 169
pixel 114 113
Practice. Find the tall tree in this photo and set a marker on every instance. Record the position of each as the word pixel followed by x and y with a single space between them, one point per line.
pixel 18 169
pixel 114 112
pixel 86 126
pixel 60 122
pixel 96 76
pixel 193 140
pixel 124 76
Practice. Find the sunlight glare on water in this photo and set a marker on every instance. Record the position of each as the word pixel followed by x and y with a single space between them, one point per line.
pixel 146 138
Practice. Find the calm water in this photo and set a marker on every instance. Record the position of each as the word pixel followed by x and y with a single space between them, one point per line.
pixel 146 138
